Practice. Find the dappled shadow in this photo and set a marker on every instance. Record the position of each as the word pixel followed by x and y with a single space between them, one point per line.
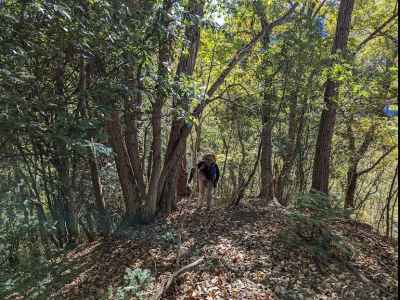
pixel 244 259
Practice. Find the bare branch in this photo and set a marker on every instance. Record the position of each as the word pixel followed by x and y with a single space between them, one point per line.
pixel 375 33
pixel 377 162
pixel 285 18
pixel 316 12
pixel 176 275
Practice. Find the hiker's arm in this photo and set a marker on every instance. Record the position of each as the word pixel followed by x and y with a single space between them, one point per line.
pixel 191 175
pixel 216 175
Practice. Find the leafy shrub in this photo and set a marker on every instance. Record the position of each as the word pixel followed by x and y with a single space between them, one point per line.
pixel 135 282
pixel 169 237
pixel 309 227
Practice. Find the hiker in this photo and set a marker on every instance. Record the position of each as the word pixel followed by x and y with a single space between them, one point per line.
pixel 208 177
pixel 388 112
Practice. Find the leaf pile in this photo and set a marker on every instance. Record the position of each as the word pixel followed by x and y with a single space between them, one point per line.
pixel 244 258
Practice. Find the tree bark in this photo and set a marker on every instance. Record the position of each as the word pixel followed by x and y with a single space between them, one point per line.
pixel 174 189
pixel 124 169
pixel 321 168
pixel 164 59
pixel 295 132
pixel 62 163
pixel 267 176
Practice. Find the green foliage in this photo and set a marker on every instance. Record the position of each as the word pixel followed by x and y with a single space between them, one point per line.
pixel 309 227
pixel 135 282
pixel 65 67
pixel 169 237
pixel 19 227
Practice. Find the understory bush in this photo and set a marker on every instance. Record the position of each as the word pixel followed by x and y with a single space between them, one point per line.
pixel 135 282
pixel 310 227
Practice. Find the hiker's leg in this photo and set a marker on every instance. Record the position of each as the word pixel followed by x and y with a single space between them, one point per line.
pixel 212 195
pixel 201 190
pixel 209 188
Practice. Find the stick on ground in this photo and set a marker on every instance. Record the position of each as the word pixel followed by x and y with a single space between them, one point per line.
pixel 176 275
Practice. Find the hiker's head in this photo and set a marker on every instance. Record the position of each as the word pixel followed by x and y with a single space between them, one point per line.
pixel 209 157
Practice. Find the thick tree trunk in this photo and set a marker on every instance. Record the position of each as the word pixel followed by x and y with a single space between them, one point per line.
pixel 132 119
pixel 182 189
pixel 173 187
pixel 320 180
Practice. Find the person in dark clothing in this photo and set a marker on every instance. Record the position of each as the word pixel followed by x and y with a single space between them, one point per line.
pixel 208 177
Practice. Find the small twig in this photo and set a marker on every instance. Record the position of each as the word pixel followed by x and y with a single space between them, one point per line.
pixel 176 275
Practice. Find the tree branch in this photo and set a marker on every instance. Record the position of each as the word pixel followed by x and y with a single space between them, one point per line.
pixel 375 33
pixel 285 18
pixel 175 275
pixel 377 162
pixel 242 52
pixel 318 9
pixel 243 188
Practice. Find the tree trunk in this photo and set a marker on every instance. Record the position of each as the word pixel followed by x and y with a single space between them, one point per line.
pixel 173 187
pixel 290 155
pixel 267 177
pixel 124 169
pixel 103 222
pixel 164 59
pixel 352 178
pixel 320 180
pixel 388 204
pixel 62 163
pixel 132 118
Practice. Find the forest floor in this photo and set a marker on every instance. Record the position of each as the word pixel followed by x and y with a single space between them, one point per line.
pixel 244 257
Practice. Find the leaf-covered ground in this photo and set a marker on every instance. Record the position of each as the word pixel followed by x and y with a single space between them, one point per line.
pixel 244 254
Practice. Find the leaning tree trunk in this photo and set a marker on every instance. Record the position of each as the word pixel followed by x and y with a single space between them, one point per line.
pixel 173 187
pixel 320 179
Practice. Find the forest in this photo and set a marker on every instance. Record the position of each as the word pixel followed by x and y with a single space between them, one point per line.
pixel 109 110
